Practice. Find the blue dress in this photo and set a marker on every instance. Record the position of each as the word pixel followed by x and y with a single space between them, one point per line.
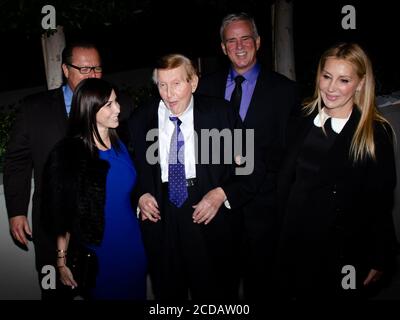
pixel 121 256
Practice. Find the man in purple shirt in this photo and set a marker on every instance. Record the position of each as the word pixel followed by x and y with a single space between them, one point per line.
pixel 266 101
pixel 248 85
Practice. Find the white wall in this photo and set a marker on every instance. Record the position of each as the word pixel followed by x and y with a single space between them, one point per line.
pixel 18 277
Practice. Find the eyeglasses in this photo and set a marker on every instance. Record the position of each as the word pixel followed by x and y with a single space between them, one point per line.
pixel 87 70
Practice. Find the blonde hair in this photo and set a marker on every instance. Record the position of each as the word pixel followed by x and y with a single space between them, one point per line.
pixel 172 61
pixel 362 144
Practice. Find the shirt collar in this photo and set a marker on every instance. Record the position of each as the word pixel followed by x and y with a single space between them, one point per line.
pixel 336 123
pixel 185 116
pixel 67 94
pixel 250 75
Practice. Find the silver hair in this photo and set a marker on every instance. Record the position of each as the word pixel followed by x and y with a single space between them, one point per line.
pixel 242 16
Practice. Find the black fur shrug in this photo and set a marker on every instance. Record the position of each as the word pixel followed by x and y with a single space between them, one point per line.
pixel 73 192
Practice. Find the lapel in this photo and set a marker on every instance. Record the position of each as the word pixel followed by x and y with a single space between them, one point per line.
pixel 206 173
pixel 153 124
pixel 337 158
pixel 197 125
pixel 261 93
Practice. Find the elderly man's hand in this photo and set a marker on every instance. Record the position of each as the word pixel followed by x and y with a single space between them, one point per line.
pixel 208 207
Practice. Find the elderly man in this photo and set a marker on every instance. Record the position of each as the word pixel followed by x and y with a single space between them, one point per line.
pixel 188 226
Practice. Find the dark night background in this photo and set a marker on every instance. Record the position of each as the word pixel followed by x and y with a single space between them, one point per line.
pixel 131 34
pixel 192 27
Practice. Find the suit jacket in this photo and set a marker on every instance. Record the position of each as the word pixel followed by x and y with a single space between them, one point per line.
pixel 40 123
pixel 348 210
pixel 274 99
pixel 208 113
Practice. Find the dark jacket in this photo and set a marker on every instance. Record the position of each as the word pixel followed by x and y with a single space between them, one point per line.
pixel 74 184
pixel 346 216
pixel 274 99
pixel 40 123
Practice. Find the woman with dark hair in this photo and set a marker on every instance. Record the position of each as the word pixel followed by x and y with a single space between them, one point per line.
pixel 336 185
pixel 87 185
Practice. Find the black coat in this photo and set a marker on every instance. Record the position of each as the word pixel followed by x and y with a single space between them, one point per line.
pixel 345 218
pixel 74 184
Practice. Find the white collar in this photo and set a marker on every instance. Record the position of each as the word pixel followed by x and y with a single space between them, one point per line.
pixel 337 123
pixel 185 116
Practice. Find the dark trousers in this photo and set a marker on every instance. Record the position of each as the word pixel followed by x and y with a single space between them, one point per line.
pixel 258 253
pixel 257 272
pixel 189 259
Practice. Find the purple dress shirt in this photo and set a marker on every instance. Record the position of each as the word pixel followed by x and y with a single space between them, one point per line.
pixel 247 87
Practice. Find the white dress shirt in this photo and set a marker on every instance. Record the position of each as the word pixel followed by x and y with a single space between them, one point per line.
pixel 166 130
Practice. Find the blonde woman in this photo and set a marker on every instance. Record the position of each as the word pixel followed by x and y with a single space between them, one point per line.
pixel 336 185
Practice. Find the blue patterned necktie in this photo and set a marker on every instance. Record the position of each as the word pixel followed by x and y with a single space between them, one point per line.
pixel 177 188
